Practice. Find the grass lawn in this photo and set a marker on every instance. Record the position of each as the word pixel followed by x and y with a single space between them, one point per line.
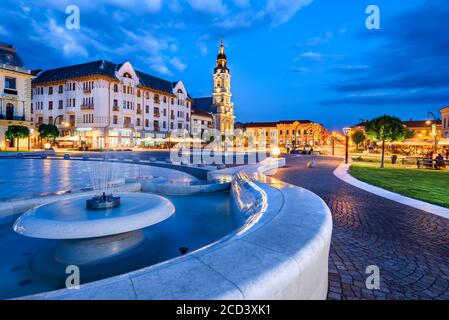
pixel 427 185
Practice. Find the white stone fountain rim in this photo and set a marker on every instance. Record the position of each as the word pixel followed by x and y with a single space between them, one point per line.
pixel 32 225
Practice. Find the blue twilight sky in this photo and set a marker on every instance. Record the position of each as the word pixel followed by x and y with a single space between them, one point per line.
pixel 289 59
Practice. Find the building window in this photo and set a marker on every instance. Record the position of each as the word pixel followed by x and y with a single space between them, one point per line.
pixel 165 99
pixel 147 109
pixel 164 124
pixel 179 125
pixel 60 104
pixel 115 87
pixel 50 90
pixel 60 89
pixel 10 83
pixel 156 99
pixel 147 95
pixel 50 120
pixel 138 93
pixel 138 122
pixel 115 120
pixel 147 123
pixel 50 105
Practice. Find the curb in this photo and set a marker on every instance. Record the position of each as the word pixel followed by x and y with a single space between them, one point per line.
pixel 342 173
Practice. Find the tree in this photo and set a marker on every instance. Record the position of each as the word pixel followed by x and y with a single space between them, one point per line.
pixel 17 132
pixel 48 131
pixel 358 137
pixel 387 128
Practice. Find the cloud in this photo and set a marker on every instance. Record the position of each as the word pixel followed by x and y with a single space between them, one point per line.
pixel 409 69
pixel 301 70
pixel 389 98
pixel 209 6
pixel 178 64
pixel 322 39
pixel 282 11
pixel 58 37
pixel 411 61
pixel 315 56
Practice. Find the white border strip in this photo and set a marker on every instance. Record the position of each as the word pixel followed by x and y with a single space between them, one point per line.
pixel 342 173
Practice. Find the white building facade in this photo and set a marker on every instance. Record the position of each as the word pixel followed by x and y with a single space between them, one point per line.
pixel 101 104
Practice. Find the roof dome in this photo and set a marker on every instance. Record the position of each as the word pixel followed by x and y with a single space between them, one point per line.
pixel 9 56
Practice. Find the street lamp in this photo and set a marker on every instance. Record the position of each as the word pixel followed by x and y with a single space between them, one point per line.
pixel 333 143
pixel 434 128
pixel 347 131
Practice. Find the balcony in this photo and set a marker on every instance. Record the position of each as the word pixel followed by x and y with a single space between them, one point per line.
pixel 157 114
pixel 115 108
pixel 10 91
pixel 87 107
pixel 139 111
pixel 87 91
pixel 12 118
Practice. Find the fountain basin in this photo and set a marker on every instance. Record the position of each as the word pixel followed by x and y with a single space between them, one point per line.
pixel 69 219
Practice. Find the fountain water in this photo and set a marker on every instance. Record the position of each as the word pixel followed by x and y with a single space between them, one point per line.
pixel 103 176
pixel 96 227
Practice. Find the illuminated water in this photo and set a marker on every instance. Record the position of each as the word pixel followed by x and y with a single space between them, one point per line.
pixel 197 222
pixel 27 177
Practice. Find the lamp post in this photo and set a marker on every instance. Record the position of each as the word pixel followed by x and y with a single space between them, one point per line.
pixel 434 129
pixel 347 131
pixel 333 143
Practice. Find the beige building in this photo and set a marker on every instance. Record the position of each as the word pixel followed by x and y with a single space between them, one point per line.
pixel 15 95
pixel 445 122
pixel 287 134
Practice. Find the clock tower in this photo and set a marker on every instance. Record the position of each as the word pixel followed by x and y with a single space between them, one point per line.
pixel 222 93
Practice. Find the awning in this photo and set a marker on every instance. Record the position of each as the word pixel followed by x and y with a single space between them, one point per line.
pixel 412 142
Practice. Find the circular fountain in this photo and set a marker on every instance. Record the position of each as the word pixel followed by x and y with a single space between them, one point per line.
pixel 93 235
pixel 97 228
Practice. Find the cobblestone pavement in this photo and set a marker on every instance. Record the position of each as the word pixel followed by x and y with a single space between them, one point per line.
pixel 410 247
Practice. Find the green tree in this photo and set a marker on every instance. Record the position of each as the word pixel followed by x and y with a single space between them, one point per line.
pixel 17 132
pixel 387 128
pixel 48 131
pixel 358 137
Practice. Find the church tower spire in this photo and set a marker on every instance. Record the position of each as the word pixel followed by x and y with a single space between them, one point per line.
pixel 221 65
pixel 222 92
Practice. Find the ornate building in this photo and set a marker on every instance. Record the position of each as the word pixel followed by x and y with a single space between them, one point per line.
pixel 288 134
pixel 102 104
pixel 220 105
pixel 15 94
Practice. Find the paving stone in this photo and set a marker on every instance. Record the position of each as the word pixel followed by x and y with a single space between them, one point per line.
pixel 411 247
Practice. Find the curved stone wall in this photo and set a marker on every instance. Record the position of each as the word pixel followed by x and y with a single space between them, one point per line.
pixel 281 253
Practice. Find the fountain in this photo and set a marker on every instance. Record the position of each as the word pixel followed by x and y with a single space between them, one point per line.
pixel 94 228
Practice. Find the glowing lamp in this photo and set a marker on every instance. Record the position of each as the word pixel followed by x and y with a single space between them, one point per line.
pixel 276 152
